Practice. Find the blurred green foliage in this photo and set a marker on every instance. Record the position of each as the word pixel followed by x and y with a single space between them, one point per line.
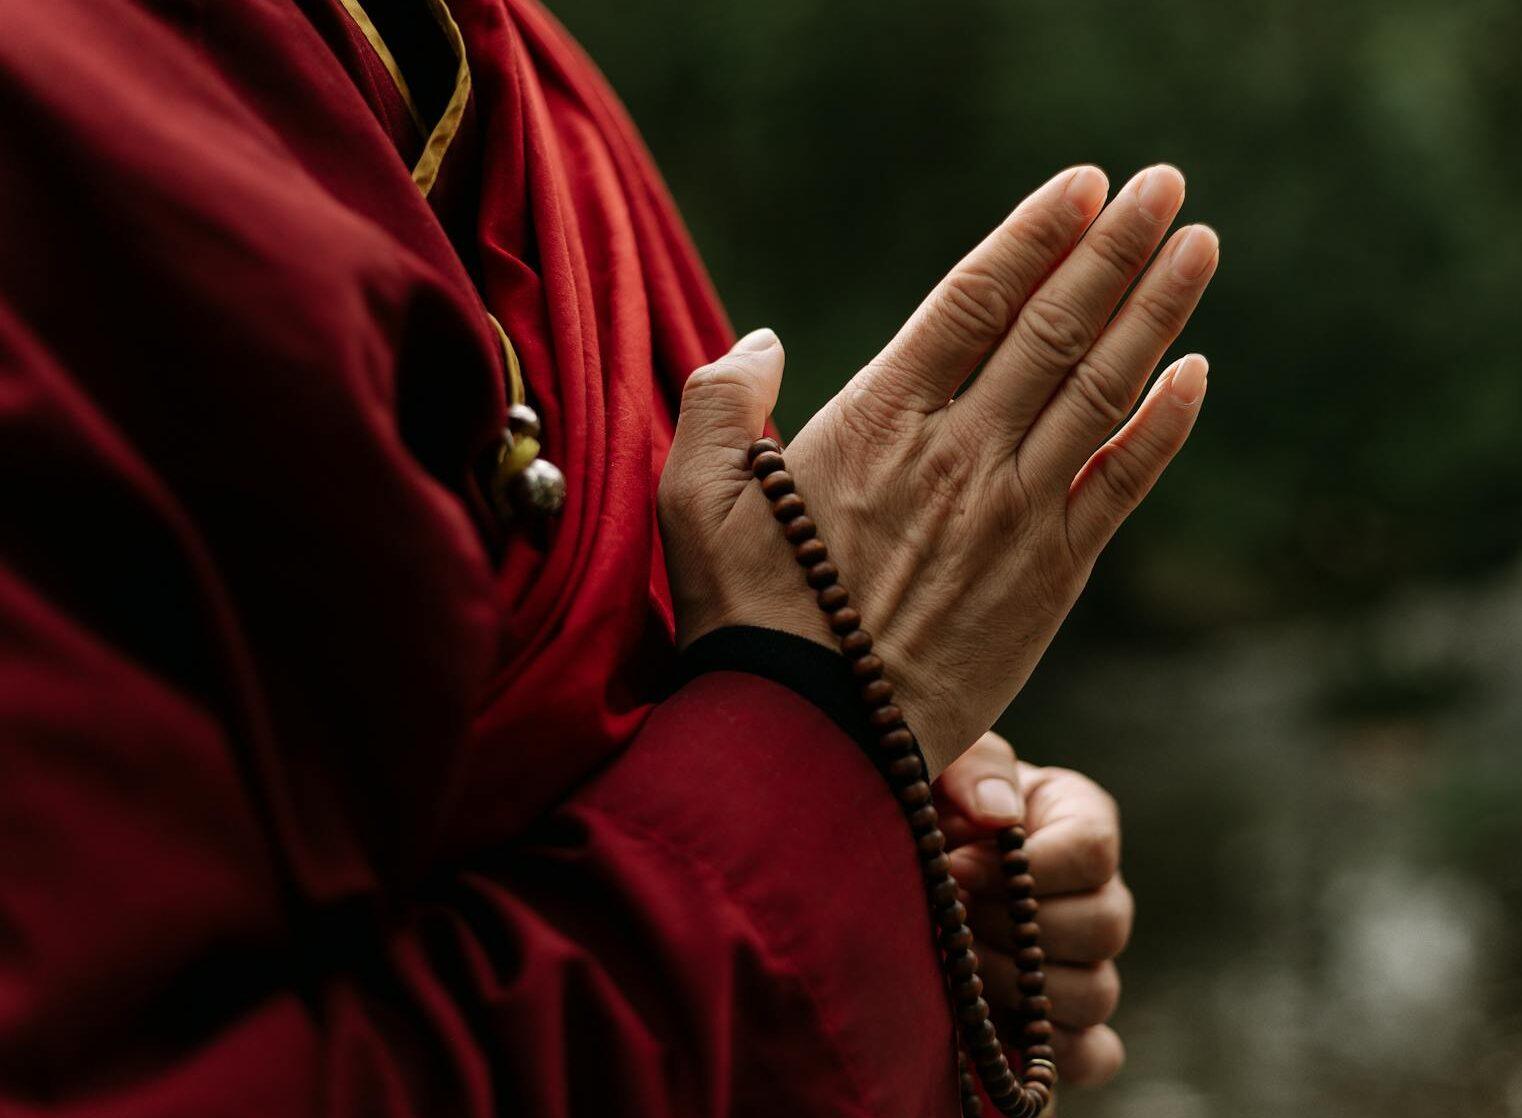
pixel 1296 667
pixel 1359 160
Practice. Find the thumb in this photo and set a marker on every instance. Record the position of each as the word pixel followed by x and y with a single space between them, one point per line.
pixel 725 404
pixel 979 792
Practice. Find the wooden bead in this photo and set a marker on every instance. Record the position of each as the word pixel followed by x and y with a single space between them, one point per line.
pixel 906 769
pixel 1036 1006
pixel 1024 908
pixel 895 739
pixel 822 574
pixel 876 693
pixel 1040 1052
pixel 798 529
pixel 1000 1084
pixel 994 1064
pixel 767 462
pixel 977 1010
pixel 941 894
pixel 932 843
pixel 1027 934
pixel 810 552
pixel 923 818
pixel 778 484
pixel 980 1033
pixel 936 868
pixel 952 916
pixel 1012 838
pixel 1037 1032
pixel 1030 958
pixel 967 989
pixel 831 598
pixel 1031 981
pixel 786 508
pixel 962 964
pixel 844 621
pixel 914 794
pixel 1015 862
pixel 985 1052
pixel 957 939
pixel 867 668
pixel 857 644
pixel 761 446
pixel 1022 885
pixel 1040 1073
pixel 885 717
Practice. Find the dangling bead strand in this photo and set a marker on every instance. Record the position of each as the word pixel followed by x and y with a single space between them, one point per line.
pixel 898 756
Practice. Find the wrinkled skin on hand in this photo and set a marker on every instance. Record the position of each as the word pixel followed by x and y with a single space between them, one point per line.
pixel 965 529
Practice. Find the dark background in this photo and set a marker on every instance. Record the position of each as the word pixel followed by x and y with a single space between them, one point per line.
pixel 1300 666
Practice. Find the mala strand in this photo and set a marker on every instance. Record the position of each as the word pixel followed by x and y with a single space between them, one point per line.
pixel 897 754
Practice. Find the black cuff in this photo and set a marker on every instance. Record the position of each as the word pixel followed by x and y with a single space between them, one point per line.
pixel 819 674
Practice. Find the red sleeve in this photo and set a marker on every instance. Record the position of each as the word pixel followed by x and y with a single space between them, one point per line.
pixel 244 623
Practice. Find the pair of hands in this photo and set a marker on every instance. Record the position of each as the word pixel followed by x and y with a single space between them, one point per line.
pixel 965 518
pixel 965 481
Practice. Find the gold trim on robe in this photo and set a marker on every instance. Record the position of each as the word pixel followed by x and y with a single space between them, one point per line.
pixel 426 172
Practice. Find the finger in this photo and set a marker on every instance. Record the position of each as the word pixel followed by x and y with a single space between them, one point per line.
pixel 1074 826
pixel 1076 928
pixel 1081 995
pixel 1061 320
pixel 1102 388
pixel 979 792
pixel 1088 1057
pixel 1123 471
pixel 725 404
pixel 1087 927
pixel 972 308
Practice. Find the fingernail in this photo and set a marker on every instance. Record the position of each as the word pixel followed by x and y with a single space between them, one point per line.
pixel 1160 192
pixel 1195 252
pixel 1188 383
pixel 999 799
pixel 757 340
pixel 1087 188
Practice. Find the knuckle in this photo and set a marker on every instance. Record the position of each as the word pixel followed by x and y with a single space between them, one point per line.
pixel 1056 330
pixel 1123 477
pixel 721 376
pixel 996 749
pixel 1042 229
pixel 1121 252
pixel 1103 392
pixel 1106 992
pixel 1112 925
pixel 976 306
pixel 1162 317
pixel 1097 852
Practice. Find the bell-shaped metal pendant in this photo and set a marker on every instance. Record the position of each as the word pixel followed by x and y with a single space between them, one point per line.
pixel 538 490
pixel 522 421
pixel 524 486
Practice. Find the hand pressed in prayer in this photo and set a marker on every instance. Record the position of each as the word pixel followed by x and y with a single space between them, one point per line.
pixel 1086 910
pixel 965 529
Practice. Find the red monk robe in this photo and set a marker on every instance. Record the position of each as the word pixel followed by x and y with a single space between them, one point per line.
pixel 313 798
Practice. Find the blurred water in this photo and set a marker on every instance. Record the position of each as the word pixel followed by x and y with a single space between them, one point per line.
pixel 1324 835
